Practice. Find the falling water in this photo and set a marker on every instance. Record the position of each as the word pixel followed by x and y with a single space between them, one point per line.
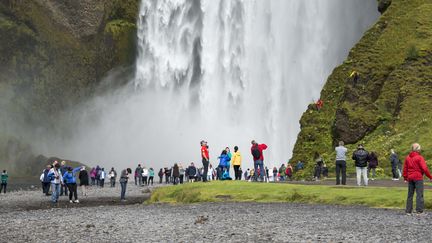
pixel 226 71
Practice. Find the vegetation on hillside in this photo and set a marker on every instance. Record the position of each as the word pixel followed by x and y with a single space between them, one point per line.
pixel 388 106
pixel 53 55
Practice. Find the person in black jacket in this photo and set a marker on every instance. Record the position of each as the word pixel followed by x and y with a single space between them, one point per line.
pixel 361 158
pixel 160 174
pixel 191 172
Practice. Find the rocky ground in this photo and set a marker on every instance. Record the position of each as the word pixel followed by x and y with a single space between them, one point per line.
pixel 25 200
pixel 220 222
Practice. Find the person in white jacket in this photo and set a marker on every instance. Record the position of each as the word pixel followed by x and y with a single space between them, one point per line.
pixel 56 179
pixel 145 175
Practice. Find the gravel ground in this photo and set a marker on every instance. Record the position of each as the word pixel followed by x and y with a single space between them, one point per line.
pixel 214 222
pixel 24 200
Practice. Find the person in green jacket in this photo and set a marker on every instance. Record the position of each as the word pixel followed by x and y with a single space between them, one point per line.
pixel 4 179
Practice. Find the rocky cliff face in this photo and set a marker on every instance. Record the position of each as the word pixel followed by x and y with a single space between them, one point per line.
pixel 387 105
pixel 53 55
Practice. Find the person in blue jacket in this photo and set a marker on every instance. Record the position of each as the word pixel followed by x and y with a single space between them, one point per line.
pixel 70 180
pixel 223 163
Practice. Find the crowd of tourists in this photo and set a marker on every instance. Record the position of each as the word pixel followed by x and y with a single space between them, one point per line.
pixel 59 179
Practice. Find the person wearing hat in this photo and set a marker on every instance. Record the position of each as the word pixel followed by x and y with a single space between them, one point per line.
pixel 205 159
pixel 361 158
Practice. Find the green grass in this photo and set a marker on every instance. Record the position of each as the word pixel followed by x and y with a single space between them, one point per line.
pixel 233 191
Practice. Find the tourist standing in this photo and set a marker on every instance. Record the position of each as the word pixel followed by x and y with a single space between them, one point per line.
pixel 282 171
pixel 361 158
pixel 93 176
pixel 258 157
pixel 236 162
pixel 84 180
pixel 56 179
pixel 289 171
pixel 113 177
pixel 102 176
pixel 176 174
pixel 145 175
pixel 230 157
pixel 341 163
pixel 373 164
pixel 167 175
pixel 63 187
pixel 191 172
pixel 394 161
pixel 138 175
pixel 151 176
pixel 124 177
pixel 4 181
pixel 205 159
pixel 275 171
pixel 210 173
pixel 223 163
pixel 414 169
pixel 160 174
pixel 182 173
pixel 46 180
pixel 319 162
pixel 70 181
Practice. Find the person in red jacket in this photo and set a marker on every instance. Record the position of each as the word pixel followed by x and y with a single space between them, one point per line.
pixel 414 169
pixel 257 154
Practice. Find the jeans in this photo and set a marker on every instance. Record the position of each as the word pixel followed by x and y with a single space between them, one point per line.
pixel 150 180
pixel 144 180
pixel 140 180
pixel 72 191
pixel 340 167
pixel 160 179
pixel 112 180
pixel 361 171
pixel 260 164
pixel 416 186
pixel 123 190
pixel 237 172
pixel 101 182
pixel 205 165
pixel 274 177
pixel 55 192
pixel 3 187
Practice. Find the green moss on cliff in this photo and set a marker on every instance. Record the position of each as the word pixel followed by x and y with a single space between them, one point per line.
pixel 389 105
pixel 52 59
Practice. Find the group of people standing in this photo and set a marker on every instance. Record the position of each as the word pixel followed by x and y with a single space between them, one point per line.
pixel 414 168
pixel 366 164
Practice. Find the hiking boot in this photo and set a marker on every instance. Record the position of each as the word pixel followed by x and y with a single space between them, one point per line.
pixel 76 201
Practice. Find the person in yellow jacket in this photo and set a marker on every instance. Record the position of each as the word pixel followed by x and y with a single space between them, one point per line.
pixel 236 162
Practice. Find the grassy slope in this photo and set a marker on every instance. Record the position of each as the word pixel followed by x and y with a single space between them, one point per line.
pixel 390 107
pixel 268 192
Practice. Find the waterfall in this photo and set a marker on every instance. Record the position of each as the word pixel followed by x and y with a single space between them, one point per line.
pixel 226 71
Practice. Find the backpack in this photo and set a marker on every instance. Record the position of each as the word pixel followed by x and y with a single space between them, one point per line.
pixel 256 153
